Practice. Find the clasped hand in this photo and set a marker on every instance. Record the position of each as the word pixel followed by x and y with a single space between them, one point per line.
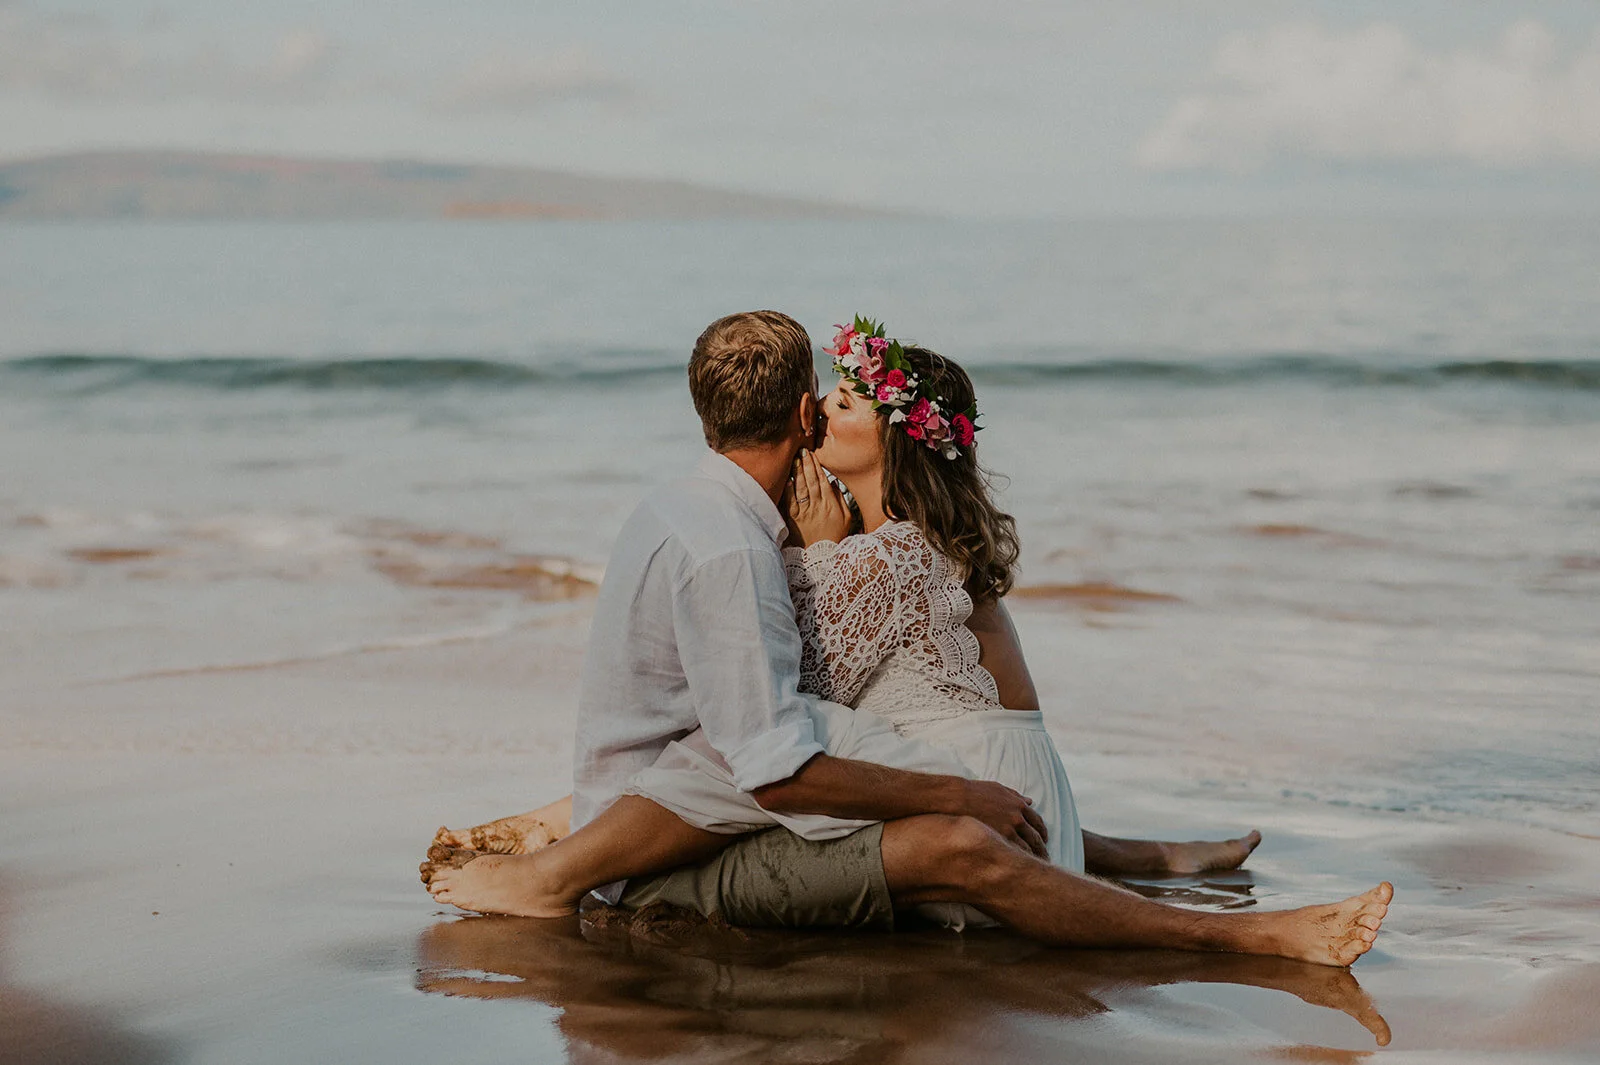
pixel 814 506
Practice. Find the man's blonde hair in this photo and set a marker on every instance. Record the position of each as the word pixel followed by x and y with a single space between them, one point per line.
pixel 747 373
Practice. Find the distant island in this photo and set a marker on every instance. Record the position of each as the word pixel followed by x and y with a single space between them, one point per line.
pixel 198 185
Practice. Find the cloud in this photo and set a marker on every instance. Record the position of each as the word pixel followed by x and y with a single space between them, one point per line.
pixel 83 59
pixel 504 81
pixel 1373 95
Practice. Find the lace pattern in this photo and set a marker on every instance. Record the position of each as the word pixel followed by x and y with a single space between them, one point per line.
pixel 882 617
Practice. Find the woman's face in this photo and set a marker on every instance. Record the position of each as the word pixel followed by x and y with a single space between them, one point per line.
pixel 852 440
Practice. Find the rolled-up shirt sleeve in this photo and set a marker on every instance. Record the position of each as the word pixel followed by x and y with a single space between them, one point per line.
pixel 740 653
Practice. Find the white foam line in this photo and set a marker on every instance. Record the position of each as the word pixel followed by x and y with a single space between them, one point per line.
pixel 399 643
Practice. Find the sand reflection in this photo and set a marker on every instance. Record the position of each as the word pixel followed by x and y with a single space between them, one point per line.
pixel 655 992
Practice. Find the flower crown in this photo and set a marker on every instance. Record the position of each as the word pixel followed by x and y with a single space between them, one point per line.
pixel 877 367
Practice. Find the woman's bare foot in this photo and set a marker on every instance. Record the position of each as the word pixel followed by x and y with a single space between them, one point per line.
pixel 1110 856
pixel 512 884
pixel 521 834
pixel 1335 934
pixel 509 835
pixel 1202 856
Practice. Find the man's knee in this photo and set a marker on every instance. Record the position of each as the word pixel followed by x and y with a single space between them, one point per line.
pixel 939 849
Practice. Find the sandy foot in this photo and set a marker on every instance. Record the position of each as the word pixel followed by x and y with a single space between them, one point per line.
pixel 511 884
pixel 521 834
pixel 1335 934
pixel 443 857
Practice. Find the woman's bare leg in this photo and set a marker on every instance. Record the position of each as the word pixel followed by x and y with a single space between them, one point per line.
pixel 1110 856
pixel 513 835
pixel 633 837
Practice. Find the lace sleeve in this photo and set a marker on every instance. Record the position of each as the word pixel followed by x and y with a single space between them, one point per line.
pixel 806 570
pixel 847 606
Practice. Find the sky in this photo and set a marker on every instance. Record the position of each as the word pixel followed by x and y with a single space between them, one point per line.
pixel 1095 107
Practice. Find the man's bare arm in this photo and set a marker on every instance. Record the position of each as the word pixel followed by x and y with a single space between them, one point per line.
pixel 843 787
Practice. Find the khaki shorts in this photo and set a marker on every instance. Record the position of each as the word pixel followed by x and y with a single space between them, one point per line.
pixel 776 879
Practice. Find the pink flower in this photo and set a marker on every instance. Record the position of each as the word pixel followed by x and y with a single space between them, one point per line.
pixel 913 430
pixel 919 412
pixel 871 370
pixel 886 392
pixel 963 429
pixel 879 345
pixel 934 425
pixel 841 342
pixel 897 378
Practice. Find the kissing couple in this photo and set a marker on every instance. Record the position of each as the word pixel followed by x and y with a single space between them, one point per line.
pixel 803 709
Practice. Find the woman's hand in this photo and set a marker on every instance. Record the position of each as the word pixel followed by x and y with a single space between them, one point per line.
pixel 815 506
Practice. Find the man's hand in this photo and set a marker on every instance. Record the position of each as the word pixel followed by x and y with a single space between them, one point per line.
pixel 1007 812
pixel 841 787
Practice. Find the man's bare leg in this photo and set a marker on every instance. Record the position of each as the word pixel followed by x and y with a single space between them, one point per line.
pixel 633 837
pixel 514 835
pixel 1110 856
pixel 935 858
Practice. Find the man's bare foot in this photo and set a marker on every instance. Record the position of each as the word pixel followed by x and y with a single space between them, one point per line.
pixel 1335 934
pixel 1202 856
pixel 443 857
pixel 512 884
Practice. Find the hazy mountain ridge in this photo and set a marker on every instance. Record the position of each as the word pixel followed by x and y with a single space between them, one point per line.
pixel 199 185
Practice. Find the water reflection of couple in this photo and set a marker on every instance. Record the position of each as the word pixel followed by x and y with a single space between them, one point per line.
pixel 831 997
pixel 866 694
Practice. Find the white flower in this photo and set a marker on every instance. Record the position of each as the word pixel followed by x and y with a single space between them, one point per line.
pixel 898 416
pixel 858 346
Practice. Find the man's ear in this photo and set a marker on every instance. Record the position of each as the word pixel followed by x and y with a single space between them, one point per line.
pixel 806 419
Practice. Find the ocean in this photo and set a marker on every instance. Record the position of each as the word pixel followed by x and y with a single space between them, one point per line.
pixel 1366 450
pixel 1310 509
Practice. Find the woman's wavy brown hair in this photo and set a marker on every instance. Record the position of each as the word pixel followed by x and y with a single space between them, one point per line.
pixel 950 500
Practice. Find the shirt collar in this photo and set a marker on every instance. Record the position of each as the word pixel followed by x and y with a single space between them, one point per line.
pixel 732 476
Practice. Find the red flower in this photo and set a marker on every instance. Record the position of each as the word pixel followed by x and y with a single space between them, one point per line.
pixel 919 412
pixel 913 430
pixel 897 379
pixel 963 429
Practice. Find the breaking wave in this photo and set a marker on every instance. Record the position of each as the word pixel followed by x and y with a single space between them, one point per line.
pixel 95 373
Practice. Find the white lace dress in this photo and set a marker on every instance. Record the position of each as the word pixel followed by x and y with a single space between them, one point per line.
pixel 882 617
pixel 883 621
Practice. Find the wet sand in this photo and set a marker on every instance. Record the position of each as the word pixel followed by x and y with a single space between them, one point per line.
pixel 219 866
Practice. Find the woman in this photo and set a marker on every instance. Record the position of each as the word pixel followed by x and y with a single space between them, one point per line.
pixel 904 619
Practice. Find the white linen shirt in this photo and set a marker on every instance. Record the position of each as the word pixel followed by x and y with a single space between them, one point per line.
pixel 693 628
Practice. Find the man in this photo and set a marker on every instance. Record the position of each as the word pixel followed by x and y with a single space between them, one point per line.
pixel 694 630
